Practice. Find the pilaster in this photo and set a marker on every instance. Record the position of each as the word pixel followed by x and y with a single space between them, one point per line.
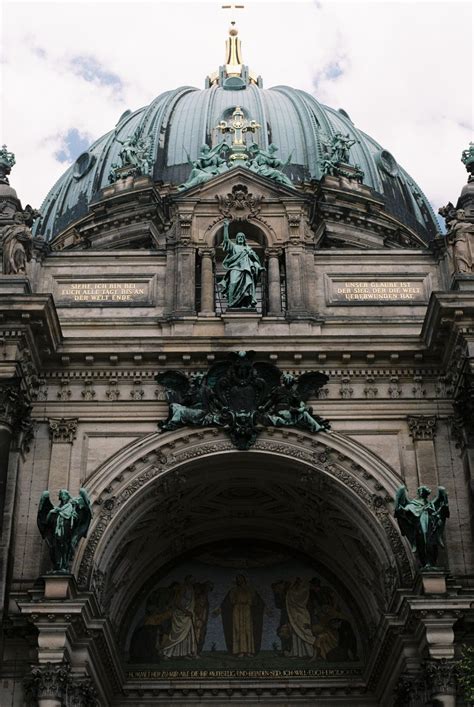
pixel 62 432
pixel 423 431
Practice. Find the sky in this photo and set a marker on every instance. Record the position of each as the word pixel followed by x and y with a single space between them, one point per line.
pixel 401 70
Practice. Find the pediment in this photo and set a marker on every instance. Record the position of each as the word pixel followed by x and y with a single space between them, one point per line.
pixel 222 184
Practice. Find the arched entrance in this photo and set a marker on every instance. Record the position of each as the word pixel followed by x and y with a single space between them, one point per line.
pixel 317 506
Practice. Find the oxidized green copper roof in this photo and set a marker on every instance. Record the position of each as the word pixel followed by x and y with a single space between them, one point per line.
pixel 182 120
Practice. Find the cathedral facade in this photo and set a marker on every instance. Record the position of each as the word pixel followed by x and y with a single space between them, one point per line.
pixel 237 436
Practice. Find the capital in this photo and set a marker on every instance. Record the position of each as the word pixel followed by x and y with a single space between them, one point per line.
pixel 63 430
pixel 422 426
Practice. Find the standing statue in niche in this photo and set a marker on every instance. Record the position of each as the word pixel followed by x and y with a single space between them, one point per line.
pixel 243 267
pixel 423 521
pixel 62 526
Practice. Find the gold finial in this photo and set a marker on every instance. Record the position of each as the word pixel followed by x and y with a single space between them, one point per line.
pixel 233 74
pixel 233 62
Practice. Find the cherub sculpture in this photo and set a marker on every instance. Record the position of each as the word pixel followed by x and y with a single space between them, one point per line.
pixel 62 526
pixel 422 521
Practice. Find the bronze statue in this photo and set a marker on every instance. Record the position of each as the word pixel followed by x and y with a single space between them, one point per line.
pixel 265 163
pixel 208 164
pixel 62 526
pixel 7 161
pixel 422 521
pixel 242 396
pixel 243 267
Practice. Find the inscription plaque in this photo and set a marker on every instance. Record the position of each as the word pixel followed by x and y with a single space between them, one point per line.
pixel 371 290
pixel 104 292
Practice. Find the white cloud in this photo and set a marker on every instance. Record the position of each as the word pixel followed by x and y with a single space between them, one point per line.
pixel 407 77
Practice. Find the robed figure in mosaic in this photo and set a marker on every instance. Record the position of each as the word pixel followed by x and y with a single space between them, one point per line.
pixel 242 619
pixel 243 269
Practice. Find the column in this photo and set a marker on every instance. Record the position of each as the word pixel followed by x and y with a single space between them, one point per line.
pixel 207 281
pixel 423 431
pixel 274 284
pixel 62 432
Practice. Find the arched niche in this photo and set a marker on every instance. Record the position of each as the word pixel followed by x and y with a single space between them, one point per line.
pixel 243 605
pixel 326 496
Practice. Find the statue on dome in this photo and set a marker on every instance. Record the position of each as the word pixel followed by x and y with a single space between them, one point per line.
pixel 7 161
pixel 208 164
pixel 460 238
pixel 62 526
pixel 134 158
pixel 340 146
pixel 17 241
pixel 337 162
pixel 422 521
pixel 265 163
pixel 243 267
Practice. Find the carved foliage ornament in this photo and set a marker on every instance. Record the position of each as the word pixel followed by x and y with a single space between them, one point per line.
pixel 239 204
pixel 243 397
pixel 48 682
pixel 422 426
pixel 63 430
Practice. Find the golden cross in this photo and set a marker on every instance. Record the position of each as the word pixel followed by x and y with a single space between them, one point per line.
pixel 238 126
pixel 233 7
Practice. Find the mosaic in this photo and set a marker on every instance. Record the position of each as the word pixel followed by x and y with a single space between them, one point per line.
pixel 245 610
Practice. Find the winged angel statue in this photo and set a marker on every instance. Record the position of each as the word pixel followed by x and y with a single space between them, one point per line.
pixel 62 526
pixel 242 396
pixel 423 521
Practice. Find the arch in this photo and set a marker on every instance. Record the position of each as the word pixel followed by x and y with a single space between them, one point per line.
pixel 154 483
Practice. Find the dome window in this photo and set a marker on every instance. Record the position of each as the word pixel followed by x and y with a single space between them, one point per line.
pixel 345 114
pixel 83 164
pixel 387 162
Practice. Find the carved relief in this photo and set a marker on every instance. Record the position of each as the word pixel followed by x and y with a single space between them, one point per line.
pixel 239 204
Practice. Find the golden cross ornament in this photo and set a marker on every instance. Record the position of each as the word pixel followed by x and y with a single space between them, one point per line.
pixel 238 126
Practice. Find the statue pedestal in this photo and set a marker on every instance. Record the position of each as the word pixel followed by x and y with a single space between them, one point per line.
pixel 58 586
pixel 14 285
pixel 433 581
pixel 463 282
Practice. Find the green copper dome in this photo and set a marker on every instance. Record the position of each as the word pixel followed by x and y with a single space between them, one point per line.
pixel 177 123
